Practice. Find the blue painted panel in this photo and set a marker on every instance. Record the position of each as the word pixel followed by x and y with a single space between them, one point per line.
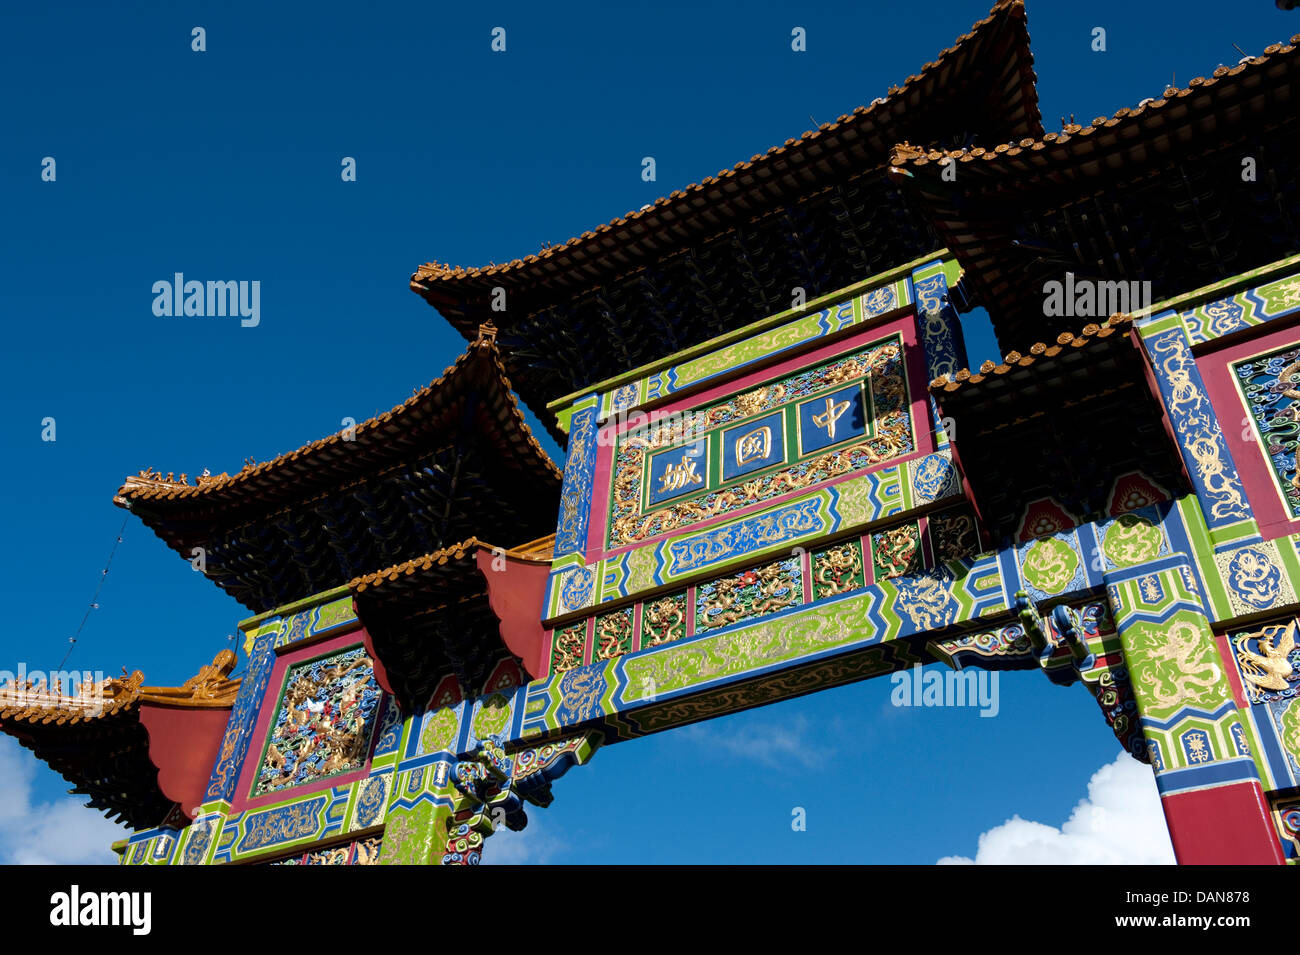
pixel 753 446
pixel 830 419
pixel 678 471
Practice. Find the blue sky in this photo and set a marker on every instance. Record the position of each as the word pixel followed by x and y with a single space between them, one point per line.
pixel 225 164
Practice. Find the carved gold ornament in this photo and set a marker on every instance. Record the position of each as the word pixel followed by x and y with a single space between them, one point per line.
pixel 1270 669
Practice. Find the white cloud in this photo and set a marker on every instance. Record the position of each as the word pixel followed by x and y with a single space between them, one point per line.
pixel 533 845
pixel 47 833
pixel 1119 823
pixel 772 744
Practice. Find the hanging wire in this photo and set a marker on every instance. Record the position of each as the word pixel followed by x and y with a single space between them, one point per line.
pixel 94 601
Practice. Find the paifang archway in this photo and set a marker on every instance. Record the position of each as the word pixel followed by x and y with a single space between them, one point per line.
pixel 783 480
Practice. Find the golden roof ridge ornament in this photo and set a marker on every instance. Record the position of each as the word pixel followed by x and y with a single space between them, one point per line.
pixel 156 478
pixel 211 686
pixel 37 700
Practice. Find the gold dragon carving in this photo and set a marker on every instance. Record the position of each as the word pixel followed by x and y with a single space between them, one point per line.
pixel 663 621
pixel 1187 402
pixel 614 634
pixel 722 609
pixel 836 570
pixel 1194 674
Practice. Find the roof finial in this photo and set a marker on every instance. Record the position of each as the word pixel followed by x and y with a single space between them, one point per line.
pixel 487 332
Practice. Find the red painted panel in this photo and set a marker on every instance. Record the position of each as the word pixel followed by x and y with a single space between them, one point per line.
pixel 1226 825
pixel 599 516
pixel 381 672
pixel 1249 456
pixel 918 396
pixel 517 595
pixel 241 799
pixel 183 743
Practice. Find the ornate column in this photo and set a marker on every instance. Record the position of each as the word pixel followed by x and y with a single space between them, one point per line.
pixel 1195 734
pixel 456 784
pixel 937 320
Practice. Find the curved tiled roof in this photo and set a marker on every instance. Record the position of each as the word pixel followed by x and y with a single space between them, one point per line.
pixel 445 612
pixel 96 737
pixel 1147 112
pixel 336 456
pixel 1152 193
pixel 664 217
pixel 419 567
pixel 455 458
pixel 818 212
pixel 1065 420
pixel 1092 333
